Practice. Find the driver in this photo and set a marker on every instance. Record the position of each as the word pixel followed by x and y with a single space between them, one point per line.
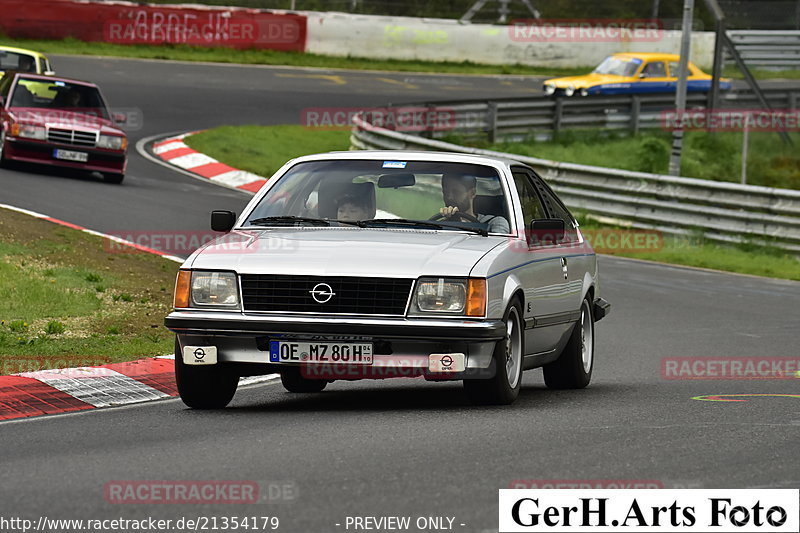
pixel 458 193
pixel 26 64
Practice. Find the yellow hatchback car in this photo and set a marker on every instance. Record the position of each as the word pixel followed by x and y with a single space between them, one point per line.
pixel 21 60
pixel 632 73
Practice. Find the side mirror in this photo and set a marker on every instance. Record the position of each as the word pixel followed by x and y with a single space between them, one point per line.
pixel 223 220
pixel 120 118
pixel 545 231
pixel 642 76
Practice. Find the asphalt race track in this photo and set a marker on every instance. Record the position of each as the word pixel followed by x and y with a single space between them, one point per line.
pixel 401 447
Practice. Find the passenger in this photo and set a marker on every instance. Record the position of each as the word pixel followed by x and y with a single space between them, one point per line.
pixel 352 207
pixel 458 193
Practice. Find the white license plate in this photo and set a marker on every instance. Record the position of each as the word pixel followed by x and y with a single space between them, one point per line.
pixel 69 155
pixel 321 352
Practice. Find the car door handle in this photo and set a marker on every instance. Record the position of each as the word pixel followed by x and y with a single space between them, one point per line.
pixel 564 266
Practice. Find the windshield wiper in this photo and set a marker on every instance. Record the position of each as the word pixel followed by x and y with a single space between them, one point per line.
pixel 422 224
pixel 290 220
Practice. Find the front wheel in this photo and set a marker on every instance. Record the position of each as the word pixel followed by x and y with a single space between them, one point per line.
pixel 573 368
pixel 204 387
pixel 3 160
pixel 503 387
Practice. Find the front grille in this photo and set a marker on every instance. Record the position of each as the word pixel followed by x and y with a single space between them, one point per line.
pixel 352 295
pixel 66 136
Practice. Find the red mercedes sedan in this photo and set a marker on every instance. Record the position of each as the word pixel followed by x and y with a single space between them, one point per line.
pixel 60 121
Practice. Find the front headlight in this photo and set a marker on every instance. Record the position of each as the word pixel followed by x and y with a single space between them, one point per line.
pixel 447 296
pixel 549 89
pixel 111 142
pixel 29 132
pixel 569 91
pixel 214 289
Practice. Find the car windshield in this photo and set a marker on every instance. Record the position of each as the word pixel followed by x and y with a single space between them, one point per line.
pixel 617 67
pixel 377 193
pixel 17 61
pixel 61 95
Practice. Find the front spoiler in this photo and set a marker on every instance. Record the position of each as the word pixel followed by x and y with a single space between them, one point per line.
pixel 237 324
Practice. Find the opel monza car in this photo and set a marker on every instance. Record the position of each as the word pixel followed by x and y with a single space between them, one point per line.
pixel 61 122
pixel 381 264
pixel 632 73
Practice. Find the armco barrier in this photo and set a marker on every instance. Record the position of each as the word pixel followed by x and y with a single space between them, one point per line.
pixel 132 23
pixel 513 118
pixel 722 211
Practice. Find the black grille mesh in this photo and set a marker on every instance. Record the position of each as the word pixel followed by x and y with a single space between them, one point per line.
pixel 352 295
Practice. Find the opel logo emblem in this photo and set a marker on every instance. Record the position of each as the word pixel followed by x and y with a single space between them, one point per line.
pixel 322 293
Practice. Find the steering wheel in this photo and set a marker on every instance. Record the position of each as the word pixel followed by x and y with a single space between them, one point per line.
pixel 455 217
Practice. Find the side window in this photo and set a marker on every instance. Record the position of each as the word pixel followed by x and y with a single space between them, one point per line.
pixel 655 69
pixel 557 210
pixel 673 69
pixel 531 204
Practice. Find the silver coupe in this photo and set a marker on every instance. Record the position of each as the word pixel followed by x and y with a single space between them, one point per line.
pixel 384 264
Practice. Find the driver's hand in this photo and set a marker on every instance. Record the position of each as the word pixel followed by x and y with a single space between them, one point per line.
pixel 448 211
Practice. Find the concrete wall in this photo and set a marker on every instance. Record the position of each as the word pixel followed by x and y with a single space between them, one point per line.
pixel 342 34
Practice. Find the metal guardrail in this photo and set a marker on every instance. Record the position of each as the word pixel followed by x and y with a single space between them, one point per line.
pixel 768 49
pixel 515 118
pixel 722 211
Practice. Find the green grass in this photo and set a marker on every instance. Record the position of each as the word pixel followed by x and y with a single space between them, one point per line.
pixel 264 149
pixel 53 314
pixel 696 251
pixel 708 156
pixel 731 71
pixel 273 57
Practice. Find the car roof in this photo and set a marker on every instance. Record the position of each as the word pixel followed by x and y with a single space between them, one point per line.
pixel 21 51
pixel 650 55
pixel 411 155
pixel 42 77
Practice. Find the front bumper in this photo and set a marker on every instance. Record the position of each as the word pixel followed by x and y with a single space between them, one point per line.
pixel 41 152
pixel 402 347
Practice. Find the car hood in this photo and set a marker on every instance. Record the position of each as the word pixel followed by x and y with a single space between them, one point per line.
pixel 63 118
pixel 587 80
pixel 389 252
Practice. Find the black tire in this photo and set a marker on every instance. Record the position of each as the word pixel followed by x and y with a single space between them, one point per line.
pixel 573 368
pixel 112 177
pixel 3 161
pixel 293 381
pixel 503 387
pixel 204 387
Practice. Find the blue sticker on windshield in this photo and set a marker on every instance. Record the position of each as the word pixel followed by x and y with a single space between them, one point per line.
pixel 59 83
pixel 394 164
pixel 636 60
